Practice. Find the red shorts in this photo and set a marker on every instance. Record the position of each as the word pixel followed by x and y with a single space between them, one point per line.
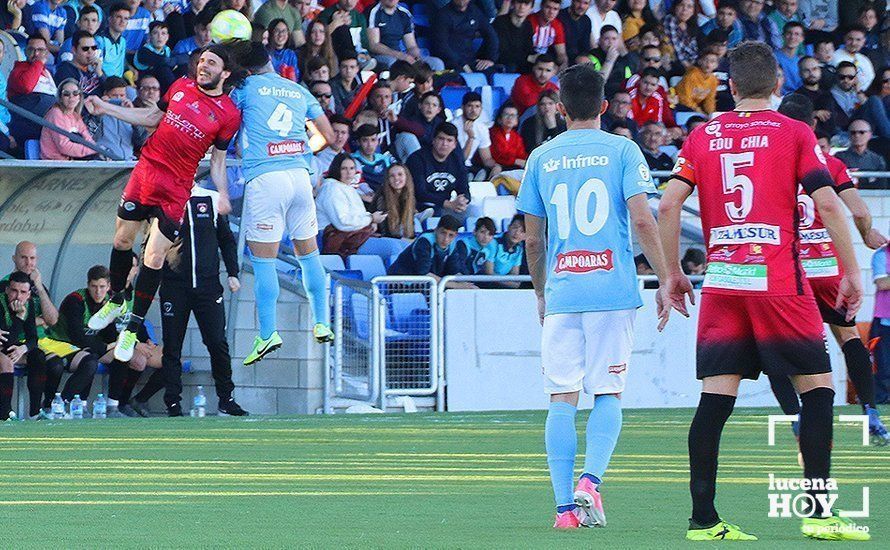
pixel 825 291
pixel 155 194
pixel 747 335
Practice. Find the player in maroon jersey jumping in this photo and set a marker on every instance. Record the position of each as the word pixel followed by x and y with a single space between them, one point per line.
pixel 194 115
pixel 758 313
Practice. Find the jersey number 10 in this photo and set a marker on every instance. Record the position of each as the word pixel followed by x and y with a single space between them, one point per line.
pixel 594 187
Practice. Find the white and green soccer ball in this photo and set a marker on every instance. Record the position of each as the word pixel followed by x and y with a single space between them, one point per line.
pixel 229 25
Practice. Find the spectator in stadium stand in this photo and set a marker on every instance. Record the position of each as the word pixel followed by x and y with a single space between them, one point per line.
pixel 472 137
pixel 85 67
pixel 756 26
pixel 528 87
pixel 548 35
pixel 819 15
pixel 396 198
pixel 348 30
pixel 509 249
pixel 399 136
pixel 201 38
pixel 148 91
pixel 155 56
pixel 281 9
pixel 370 162
pixel 618 111
pixel 868 20
pixel 347 83
pixel 650 56
pixel 48 19
pixel 577 27
pixel 242 6
pixel 281 50
pixel 430 116
pixel 401 80
pixel 601 13
pixel 112 42
pixel 390 25
pixel 648 104
pixel 137 26
pixel 823 51
pixel 20 344
pixel 309 11
pixel 515 32
pixel 858 157
pixel 7 143
pixel 616 67
pixel 479 248
pixel 323 92
pixel 113 134
pixel 322 159
pixel 652 137
pixel 635 14
pixel 880 56
pixel 880 325
pixel 682 30
pixel 621 128
pixel 439 174
pixel 87 21
pixel 318 44
pixel 507 147
pixel 31 87
pixel 787 56
pixel 66 115
pixel 785 12
pixel 851 51
pixel 726 20
pixel 433 253
pixel 823 103
pixel 316 69
pixel 845 94
pixel 546 123
pixel 423 83
pixel 453 30
pixel 342 216
pixel 849 11
pixel 694 261
pixel 697 90
pixel 11 15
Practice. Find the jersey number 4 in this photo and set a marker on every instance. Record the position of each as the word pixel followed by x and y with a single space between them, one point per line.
pixel 733 182
pixel 281 120
pixel 592 188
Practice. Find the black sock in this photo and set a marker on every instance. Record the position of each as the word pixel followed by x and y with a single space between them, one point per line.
pixel 859 369
pixel 36 380
pixel 785 393
pixel 816 416
pixel 704 445
pixel 130 380
pixel 81 380
pixel 117 374
pixel 154 385
pixel 55 367
pixel 7 381
pixel 119 266
pixel 144 291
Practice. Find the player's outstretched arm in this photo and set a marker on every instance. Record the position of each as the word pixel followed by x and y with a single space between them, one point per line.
pixel 220 178
pixel 862 218
pixel 536 252
pixel 850 295
pixel 149 117
pixel 646 231
pixel 669 210
pixel 324 129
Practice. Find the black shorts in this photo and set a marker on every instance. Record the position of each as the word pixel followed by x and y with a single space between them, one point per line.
pixel 131 210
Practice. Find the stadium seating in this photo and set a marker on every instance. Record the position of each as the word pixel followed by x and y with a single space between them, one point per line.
pixel 682 117
pixel 479 191
pixel 498 208
pixel 370 266
pixel 32 149
pixel 452 96
pixel 475 81
pixel 332 262
pixel 409 313
pixel 383 247
pixel 504 80
pixel 431 223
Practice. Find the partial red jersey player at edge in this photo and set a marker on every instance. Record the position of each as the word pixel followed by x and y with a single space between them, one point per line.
pixel 194 115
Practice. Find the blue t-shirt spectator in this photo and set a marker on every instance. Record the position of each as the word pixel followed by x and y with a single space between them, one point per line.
pixel 735 33
pixel 72 10
pixel 392 26
pixel 373 170
pixel 285 63
pixel 114 54
pixel 185 46
pixel 476 254
pixel 44 16
pixel 505 258
pixel 137 29
pixel 453 32
pixel 790 70
pixel 425 256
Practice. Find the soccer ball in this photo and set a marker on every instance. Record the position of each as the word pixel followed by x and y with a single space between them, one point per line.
pixel 229 25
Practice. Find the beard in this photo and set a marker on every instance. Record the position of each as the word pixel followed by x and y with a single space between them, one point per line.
pixel 212 83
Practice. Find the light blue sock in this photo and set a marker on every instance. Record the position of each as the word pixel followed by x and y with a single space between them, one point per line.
pixel 314 284
pixel 265 288
pixel 603 428
pixel 561 441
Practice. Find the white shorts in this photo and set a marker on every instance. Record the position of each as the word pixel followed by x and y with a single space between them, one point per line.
pixel 279 203
pixel 588 351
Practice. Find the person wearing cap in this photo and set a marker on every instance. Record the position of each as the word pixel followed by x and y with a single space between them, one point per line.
pixel 473 137
pixel 433 253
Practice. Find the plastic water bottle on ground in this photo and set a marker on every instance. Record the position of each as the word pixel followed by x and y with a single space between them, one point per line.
pixel 58 407
pixel 77 408
pixel 100 407
pixel 200 403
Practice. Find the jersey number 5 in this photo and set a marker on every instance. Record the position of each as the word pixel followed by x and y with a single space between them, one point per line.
pixel 732 182
pixel 593 187
pixel 281 120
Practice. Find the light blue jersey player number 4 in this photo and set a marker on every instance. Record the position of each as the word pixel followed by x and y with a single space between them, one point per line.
pixel 580 183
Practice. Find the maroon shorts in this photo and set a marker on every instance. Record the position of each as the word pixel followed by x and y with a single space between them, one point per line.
pixel 825 291
pixel 155 194
pixel 747 335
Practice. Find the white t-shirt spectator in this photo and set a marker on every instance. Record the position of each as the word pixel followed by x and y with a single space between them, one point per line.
pixel 482 139
pixel 597 22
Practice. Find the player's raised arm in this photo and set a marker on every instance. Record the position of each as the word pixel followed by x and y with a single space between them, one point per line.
pixel 669 210
pixel 149 117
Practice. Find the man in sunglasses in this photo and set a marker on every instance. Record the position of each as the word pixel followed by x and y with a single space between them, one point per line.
pixel 322 91
pixel 86 66
pixel 859 157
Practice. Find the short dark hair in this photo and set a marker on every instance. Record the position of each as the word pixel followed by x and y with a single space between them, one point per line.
pixel 857 28
pixel 545 58
pixel 38 37
pixel 486 223
pixel 86 10
pixel 256 58
pixel 366 130
pixel 694 255
pixel 804 58
pixel 314 63
pixel 450 223
pixel 446 128
pixel 470 97
pixel 155 24
pixel 422 71
pixel 339 119
pixel 650 71
pixel 607 28
pixel 731 4
pixel 402 68
pixel 753 69
pixel 432 93
pixel 78 36
pixel 19 277
pixel 119 6
pixel 380 85
pixel 797 106
pixel 348 54
pixel 717 36
pixel 113 83
pixel 791 25
pixel 517 218
pixel 223 53
pixel 581 91
pixel 846 65
pixel 98 272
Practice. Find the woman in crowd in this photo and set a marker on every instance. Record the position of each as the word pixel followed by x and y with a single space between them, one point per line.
pixel 635 14
pixel 546 123
pixel 318 44
pixel 244 6
pixel 280 48
pixel 681 26
pixel 396 199
pixel 507 147
pixel 66 115
pixel 341 213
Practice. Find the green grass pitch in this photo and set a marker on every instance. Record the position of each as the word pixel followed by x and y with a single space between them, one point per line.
pixel 386 481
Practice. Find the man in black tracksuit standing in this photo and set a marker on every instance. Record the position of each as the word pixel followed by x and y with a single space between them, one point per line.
pixel 190 284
